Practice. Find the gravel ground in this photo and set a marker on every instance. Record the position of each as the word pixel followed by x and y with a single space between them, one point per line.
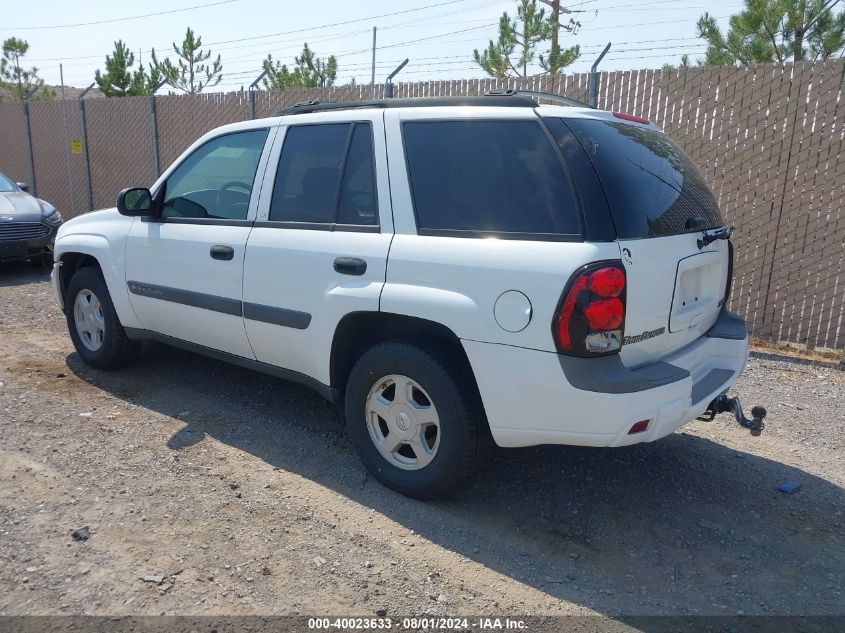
pixel 208 489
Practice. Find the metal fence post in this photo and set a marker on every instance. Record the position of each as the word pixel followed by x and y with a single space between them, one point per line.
pixel 250 96
pixel 154 129
pixel 154 135
pixel 388 85
pixel 28 132
pixel 83 130
pixel 593 83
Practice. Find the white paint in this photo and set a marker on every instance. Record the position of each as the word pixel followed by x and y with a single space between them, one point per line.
pixel 498 296
pixel 512 311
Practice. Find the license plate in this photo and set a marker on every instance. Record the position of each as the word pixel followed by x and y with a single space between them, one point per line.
pixel 13 249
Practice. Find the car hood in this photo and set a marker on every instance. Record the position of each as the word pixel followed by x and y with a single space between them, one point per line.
pixel 18 206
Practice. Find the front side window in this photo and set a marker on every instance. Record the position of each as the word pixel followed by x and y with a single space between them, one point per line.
pixel 326 176
pixel 216 180
pixel 488 177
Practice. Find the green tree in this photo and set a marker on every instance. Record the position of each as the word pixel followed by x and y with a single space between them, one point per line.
pixel 18 83
pixel 309 71
pixel 519 37
pixel 191 73
pixel 685 63
pixel 768 31
pixel 518 40
pixel 119 79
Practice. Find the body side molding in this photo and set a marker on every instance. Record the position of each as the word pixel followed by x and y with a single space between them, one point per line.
pixel 252 311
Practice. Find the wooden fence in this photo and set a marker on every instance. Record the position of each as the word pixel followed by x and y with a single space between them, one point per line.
pixel 769 140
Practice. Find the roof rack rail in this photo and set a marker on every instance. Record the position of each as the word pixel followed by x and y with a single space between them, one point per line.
pixel 509 98
pixel 512 92
pixel 501 100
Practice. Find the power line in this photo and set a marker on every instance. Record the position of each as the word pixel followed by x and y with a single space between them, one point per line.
pixel 617 26
pixel 133 17
pixel 343 23
pixel 294 31
pixel 640 6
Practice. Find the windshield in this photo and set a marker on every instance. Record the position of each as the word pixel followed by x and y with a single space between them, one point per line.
pixel 652 187
pixel 7 185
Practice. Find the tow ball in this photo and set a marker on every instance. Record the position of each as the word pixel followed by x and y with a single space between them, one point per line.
pixel 723 404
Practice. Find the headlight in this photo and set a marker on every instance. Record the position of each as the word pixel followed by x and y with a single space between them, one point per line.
pixel 54 218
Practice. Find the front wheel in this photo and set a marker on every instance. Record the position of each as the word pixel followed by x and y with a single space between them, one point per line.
pixel 415 419
pixel 96 332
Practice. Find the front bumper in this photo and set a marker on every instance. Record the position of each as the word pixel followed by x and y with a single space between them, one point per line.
pixel 55 284
pixel 15 250
pixel 533 397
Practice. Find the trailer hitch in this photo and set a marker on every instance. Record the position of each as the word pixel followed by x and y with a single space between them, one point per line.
pixel 723 404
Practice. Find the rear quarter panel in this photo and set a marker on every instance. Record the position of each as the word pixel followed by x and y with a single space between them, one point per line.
pixel 456 281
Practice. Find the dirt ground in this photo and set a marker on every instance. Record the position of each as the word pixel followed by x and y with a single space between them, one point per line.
pixel 208 489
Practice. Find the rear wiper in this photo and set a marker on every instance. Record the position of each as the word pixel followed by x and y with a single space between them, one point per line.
pixel 719 234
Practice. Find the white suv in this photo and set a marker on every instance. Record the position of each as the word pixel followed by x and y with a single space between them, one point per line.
pixel 449 270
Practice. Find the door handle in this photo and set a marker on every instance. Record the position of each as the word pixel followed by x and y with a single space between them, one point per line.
pixel 220 251
pixel 350 266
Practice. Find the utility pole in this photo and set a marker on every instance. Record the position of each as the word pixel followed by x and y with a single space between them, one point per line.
pixel 373 73
pixel 554 54
pixel 555 5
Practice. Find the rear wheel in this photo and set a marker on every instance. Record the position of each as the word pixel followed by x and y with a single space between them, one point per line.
pixel 96 332
pixel 415 418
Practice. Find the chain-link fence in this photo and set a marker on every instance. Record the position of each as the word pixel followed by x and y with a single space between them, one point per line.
pixel 769 140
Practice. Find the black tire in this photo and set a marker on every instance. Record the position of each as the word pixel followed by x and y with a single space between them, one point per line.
pixel 464 435
pixel 116 349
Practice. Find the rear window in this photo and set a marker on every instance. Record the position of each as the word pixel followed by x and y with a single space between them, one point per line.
pixel 652 187
pixel 488 177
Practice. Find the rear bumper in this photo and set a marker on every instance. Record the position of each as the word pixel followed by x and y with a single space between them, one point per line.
pixel 533 397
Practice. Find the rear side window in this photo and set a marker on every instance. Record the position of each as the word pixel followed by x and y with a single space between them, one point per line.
pixel 652 187
pixel 488 177
pixel 326 175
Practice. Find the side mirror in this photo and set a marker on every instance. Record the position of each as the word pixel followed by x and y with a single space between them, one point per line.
pixel 22 186
pixel 135 202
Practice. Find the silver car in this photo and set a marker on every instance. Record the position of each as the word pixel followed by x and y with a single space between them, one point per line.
pixel 28 224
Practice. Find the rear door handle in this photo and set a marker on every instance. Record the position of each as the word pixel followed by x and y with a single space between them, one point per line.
pixel 350 266
pixel 220 251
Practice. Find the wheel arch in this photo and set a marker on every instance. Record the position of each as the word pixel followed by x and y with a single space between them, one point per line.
pixel 71 262
pixel 77 251
pixel 359 331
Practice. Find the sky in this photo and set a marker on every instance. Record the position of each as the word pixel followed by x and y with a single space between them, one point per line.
pixel 438 36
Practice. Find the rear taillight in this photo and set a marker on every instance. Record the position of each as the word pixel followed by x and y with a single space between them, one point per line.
pixel 591 317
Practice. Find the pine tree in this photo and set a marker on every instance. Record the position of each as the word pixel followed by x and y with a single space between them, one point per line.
pixel 517 43
pixel 769 31
pixel 310 71
pixel 119 79
pixel 192 73
pixel 18 83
